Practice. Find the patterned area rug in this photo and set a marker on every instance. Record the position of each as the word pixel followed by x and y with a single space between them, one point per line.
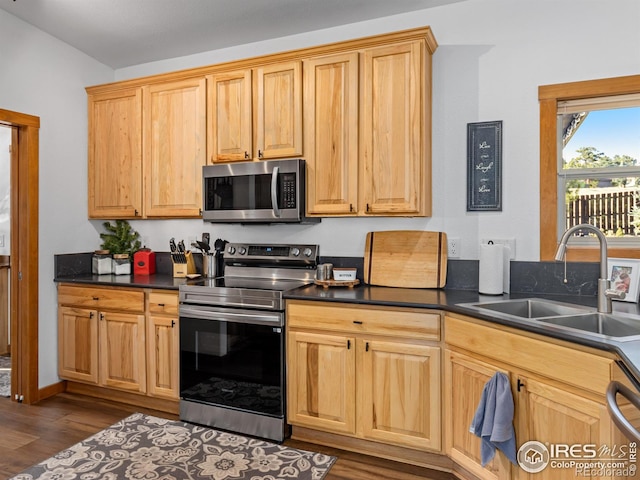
pixel 5 377
pixel 151 448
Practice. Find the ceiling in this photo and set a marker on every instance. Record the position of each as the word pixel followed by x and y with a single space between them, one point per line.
pixel 120 33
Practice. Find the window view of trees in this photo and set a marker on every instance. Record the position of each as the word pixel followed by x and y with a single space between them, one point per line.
pixel 603 187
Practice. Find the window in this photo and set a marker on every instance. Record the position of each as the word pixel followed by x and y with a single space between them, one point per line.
pixel 590 165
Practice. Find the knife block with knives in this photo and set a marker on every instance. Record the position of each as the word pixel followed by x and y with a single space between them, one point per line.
pixel 182 260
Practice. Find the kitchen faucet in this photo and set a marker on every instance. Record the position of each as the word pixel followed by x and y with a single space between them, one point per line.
pixel 605 294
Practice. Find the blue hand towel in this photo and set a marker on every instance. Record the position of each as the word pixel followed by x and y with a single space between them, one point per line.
pixel 493 421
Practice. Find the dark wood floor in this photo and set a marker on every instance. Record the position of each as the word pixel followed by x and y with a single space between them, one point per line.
pixel 32 433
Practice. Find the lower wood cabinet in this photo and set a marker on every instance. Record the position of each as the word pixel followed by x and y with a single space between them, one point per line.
pixel 399 388
pixel 551 404
pixel 128 342
pixel 78 344
pixel 359 372
pixel 121 340
pixel 321 381
pixel 163 345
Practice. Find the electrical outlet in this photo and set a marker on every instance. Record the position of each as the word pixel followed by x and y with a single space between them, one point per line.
pixel 453 247
pixel 509 242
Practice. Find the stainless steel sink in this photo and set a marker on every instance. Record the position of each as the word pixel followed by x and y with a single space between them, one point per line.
pixel 566 317
pixel 608 324
pixel 530 308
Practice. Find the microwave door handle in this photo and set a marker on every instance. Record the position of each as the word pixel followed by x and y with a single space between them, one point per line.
pixel 274 191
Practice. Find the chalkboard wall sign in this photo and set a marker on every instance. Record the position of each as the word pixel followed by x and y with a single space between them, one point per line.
pixel 484 166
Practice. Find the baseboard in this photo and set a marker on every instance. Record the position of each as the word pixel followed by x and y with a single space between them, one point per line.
pixel 51 390
pixel 419 458
pixel 137 399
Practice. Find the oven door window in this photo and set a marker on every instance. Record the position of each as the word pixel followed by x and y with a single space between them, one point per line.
pixel 235 365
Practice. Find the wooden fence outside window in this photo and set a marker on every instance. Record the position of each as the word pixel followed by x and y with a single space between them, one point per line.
pixel 610 209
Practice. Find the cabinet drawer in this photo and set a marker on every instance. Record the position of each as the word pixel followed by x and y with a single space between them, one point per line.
pixel 163 303
pixel 101 298
pixel 413 323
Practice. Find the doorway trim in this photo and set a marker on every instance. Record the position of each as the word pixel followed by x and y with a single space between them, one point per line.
pixel 23 316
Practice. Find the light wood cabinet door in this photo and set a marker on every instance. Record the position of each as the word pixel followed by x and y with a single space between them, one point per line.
pixel 174 147
pixel 331 133
pixel 163 354
pixel 465 378
pixel 230 116
pixel 278 110
pixel 122 351
pixel 115 154
pixel 552 416
pixel 399 390
pixel 78 344
pixel 321 381
pixel 393 130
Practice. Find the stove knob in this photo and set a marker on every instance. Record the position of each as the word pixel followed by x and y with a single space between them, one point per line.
pixel 242 250
pixel 231 250
pixel 295 251
pixel 307 252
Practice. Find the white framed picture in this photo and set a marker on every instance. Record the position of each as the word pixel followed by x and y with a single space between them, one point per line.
pixel 624 274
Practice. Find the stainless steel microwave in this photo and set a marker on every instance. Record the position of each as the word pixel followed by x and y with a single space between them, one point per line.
pixel 267 191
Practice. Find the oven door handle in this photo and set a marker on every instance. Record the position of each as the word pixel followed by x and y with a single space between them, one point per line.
pixel 274 191
pixel 254 317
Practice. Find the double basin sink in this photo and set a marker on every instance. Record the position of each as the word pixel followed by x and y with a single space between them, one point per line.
pixel 573 319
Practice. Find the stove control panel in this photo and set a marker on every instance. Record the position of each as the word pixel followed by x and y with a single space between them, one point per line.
pixel 271 253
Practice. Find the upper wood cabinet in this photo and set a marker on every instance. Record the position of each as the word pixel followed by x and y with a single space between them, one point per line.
pixel 147 147
pixel 174 147
pixel 359 113
pixel 367 131
pixel 230 114
pixel 115 154
pixel 395 153
pixel 256 113
pixel 331 133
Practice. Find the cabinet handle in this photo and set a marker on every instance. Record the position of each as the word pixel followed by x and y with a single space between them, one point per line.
pixel 102 316
pixel 161 305
pixel 520 384
pixel 95 298
pixel 135 213
pixel 90 315
pixel 367 207
pixel 348 344
pixel 200 211
pixel 357 322
pixel 260 154
pixel 366 347
pixel 173 323
pixel 246 155
pixel 351 207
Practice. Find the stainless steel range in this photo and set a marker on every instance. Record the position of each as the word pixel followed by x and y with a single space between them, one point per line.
pixel 232 345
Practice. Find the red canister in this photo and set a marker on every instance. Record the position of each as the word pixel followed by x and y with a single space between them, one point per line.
pixel 144 262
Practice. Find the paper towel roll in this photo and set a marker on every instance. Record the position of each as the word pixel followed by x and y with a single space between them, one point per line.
pixel 491 269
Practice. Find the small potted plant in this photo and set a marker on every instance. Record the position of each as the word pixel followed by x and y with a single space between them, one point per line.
pixel 122 242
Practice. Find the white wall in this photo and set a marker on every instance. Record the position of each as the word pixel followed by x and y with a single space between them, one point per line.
pixel 44 77
pixel 493 55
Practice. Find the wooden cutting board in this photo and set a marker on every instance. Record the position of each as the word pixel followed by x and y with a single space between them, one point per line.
pixel 406 258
